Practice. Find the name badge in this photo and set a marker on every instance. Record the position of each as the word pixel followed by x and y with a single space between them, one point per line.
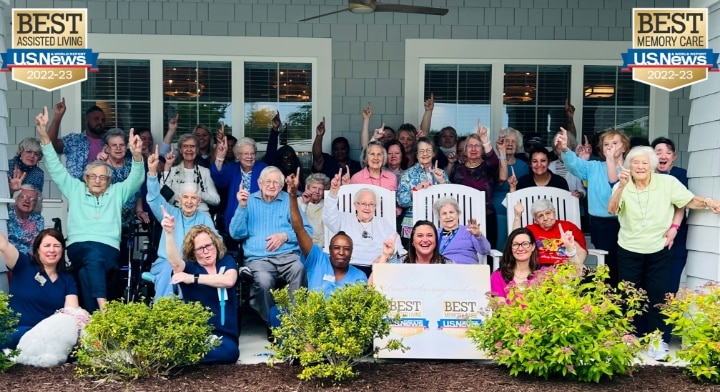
pixel 329 278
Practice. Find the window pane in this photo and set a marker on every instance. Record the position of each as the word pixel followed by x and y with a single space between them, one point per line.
pixel 534 99
pixel 278 87
pixel 199 92
pixel 462 94
pixel 122 90
pixel 612 100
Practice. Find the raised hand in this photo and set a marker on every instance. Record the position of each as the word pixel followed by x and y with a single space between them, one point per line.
pixel 512 180
pixel 60 107
pixel 16 179
pixel 102 155
pixel 169 160
pixel 336 182
pixel 474 228
pixel 624 176
pixel 307 196
pixel 430 103
pixel 420 133
pixel 367 112
pixel 500 143
pixel 611 150
pixel 567 237
pixel 482 132
pixel 135 143
pixel 452 158
pixel 221 146
pixel 438 173
pixel 582 152
pixel 276 121
pixel 561 142
pixel 379 133
pixel 346 176
pixel 41 121
pixel 168 221
pixel 292 182
pixel 173 123
pixel 320 129
pixel 221 133
pixel 388 248
pixel 518 208
pixel 153 160
pixel 242 195
pixel 569 109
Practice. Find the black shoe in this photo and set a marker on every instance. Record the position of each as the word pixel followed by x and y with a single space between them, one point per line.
pixel 270 337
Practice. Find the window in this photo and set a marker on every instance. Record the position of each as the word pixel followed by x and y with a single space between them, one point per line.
pixel 278 87
pixel 199 92
pixel 612 100
pixel 122 90
pixel 462 94
pixel 534 99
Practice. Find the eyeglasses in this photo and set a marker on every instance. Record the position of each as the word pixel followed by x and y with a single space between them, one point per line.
pixel 271 182
pixel 118 146
pixel 473 146
pixel 204 249
pixel 366 205
pixel 188 146
pixel 247 154
pixel 100 177
pixel 525 245
pixel 27 197
pixel 425 151
pixel 365 234
pixel 34 153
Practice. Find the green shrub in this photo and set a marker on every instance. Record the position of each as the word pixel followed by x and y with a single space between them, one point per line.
pixel 329 336
pixel 134 340
pixel 8 321
pixel 696 319
pixel 562 325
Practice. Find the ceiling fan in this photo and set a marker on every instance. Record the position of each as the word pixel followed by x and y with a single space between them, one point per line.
pixel 370 6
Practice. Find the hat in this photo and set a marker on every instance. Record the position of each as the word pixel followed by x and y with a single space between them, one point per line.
pixel 663 140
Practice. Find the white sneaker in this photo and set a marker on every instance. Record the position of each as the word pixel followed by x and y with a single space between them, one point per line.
pixel 658 350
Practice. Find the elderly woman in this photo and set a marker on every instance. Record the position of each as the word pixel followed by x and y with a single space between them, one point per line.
pixel 94 208
pixel 604 226
pixel 645 203
pixel 557 240
pixel 678 231
pixel 25 220
pixel 509 146
pixel 23 168
pixel 396 160
pixel 540 176
pixel 423 174
pixel 187 216
pixel 189 170
pixel 207 274
pixel 480 171
pixel 462 244
pixel 374 172
pixel 231 175
pixel 518 264
pixel 40 285
pixel 363 227
pixel 312 203
pixel 203 137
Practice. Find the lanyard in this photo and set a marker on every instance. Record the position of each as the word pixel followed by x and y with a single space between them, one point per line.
pixel 447 242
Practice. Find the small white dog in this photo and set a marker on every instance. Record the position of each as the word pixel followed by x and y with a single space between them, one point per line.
pixel 50 341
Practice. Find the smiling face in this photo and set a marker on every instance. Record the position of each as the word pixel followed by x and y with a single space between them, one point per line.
pixel 287 161
pixel 189 150
pixel 425 154
pixel 394 157
pixel 50 251
pixel 539 164
pixel 407 139
pixel 448 139
pixel 30 158
pixel 341 248
pixel 424 240
pixel 448 217
pixel 510 142
pixel 522 248
pixel 147 142
pixel 95 122
pixel 317 191
pixel 189 202
pixel 116 148
pixel 246 157
pixel 26 202
pixel 666 157
pixel 473 149
pixel 640 168
pixel 270 185
pixel 365 206
pixel 375 156
pixel 97 180
pixel 545 219
pixel 203 136
pixel 205 250
pixel 340 150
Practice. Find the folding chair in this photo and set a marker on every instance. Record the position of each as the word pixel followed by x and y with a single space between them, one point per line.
pixel 567 207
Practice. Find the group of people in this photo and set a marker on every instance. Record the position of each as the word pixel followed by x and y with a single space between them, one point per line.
pixel 212 195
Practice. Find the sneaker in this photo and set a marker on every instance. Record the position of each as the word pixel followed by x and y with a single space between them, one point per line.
pixel 658 350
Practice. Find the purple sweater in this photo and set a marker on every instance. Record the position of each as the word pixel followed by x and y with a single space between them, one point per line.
pixel 463 247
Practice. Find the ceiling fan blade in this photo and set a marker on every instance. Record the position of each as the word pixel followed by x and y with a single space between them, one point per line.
pixel 410 9
pixel 329 13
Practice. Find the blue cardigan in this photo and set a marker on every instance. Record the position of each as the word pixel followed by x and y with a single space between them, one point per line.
pixel 230 177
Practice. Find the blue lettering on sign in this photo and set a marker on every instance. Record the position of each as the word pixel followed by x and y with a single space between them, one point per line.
pixel 413 322
pixel 686 58
pixel 458 323
pixel 83 58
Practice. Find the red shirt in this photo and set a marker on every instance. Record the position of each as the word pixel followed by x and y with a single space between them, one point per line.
pixel 549 243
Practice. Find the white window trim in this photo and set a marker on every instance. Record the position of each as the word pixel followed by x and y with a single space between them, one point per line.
pixel 498 53
pixel 237 50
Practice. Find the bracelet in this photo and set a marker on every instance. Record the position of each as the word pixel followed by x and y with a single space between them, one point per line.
pixel 220 159
pixel 502 157
pixel 196 278
pixel 675 226
pixel 571 254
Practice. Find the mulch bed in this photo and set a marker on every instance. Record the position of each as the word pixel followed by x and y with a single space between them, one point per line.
pixel 387 377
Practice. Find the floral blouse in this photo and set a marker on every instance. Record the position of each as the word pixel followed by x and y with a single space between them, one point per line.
pixel 35 176
pixel 23 233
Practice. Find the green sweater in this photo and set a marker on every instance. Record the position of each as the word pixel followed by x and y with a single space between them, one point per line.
pixel 93 218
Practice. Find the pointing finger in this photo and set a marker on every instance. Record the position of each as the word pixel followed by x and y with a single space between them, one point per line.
pixel 512 170
pixel 564 131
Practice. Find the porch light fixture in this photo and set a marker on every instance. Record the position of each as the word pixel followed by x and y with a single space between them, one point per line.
pixel 599 91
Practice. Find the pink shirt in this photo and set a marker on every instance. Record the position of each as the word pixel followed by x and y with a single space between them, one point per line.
pixel 499 287
pixel 387 180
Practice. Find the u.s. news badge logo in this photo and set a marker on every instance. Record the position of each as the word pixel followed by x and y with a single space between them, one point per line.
pixel 49 47
pixel 670 47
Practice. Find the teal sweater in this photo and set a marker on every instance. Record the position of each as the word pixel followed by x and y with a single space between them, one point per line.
pixel 93 218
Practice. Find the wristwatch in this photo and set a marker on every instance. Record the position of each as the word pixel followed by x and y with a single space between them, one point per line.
pixel 196 276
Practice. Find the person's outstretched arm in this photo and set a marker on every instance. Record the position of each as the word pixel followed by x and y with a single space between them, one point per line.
pixel 303 238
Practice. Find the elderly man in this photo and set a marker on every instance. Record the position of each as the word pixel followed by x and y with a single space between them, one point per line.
pixel 94 214
pixel 24 218
pixel 262 221
pixel 79 148
pixel 186 216
pixel 552 235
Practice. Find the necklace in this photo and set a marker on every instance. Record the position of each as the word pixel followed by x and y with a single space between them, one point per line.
pixel 367 232
pixel 643 208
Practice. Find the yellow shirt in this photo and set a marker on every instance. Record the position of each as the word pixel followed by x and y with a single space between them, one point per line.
pixel 646 215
